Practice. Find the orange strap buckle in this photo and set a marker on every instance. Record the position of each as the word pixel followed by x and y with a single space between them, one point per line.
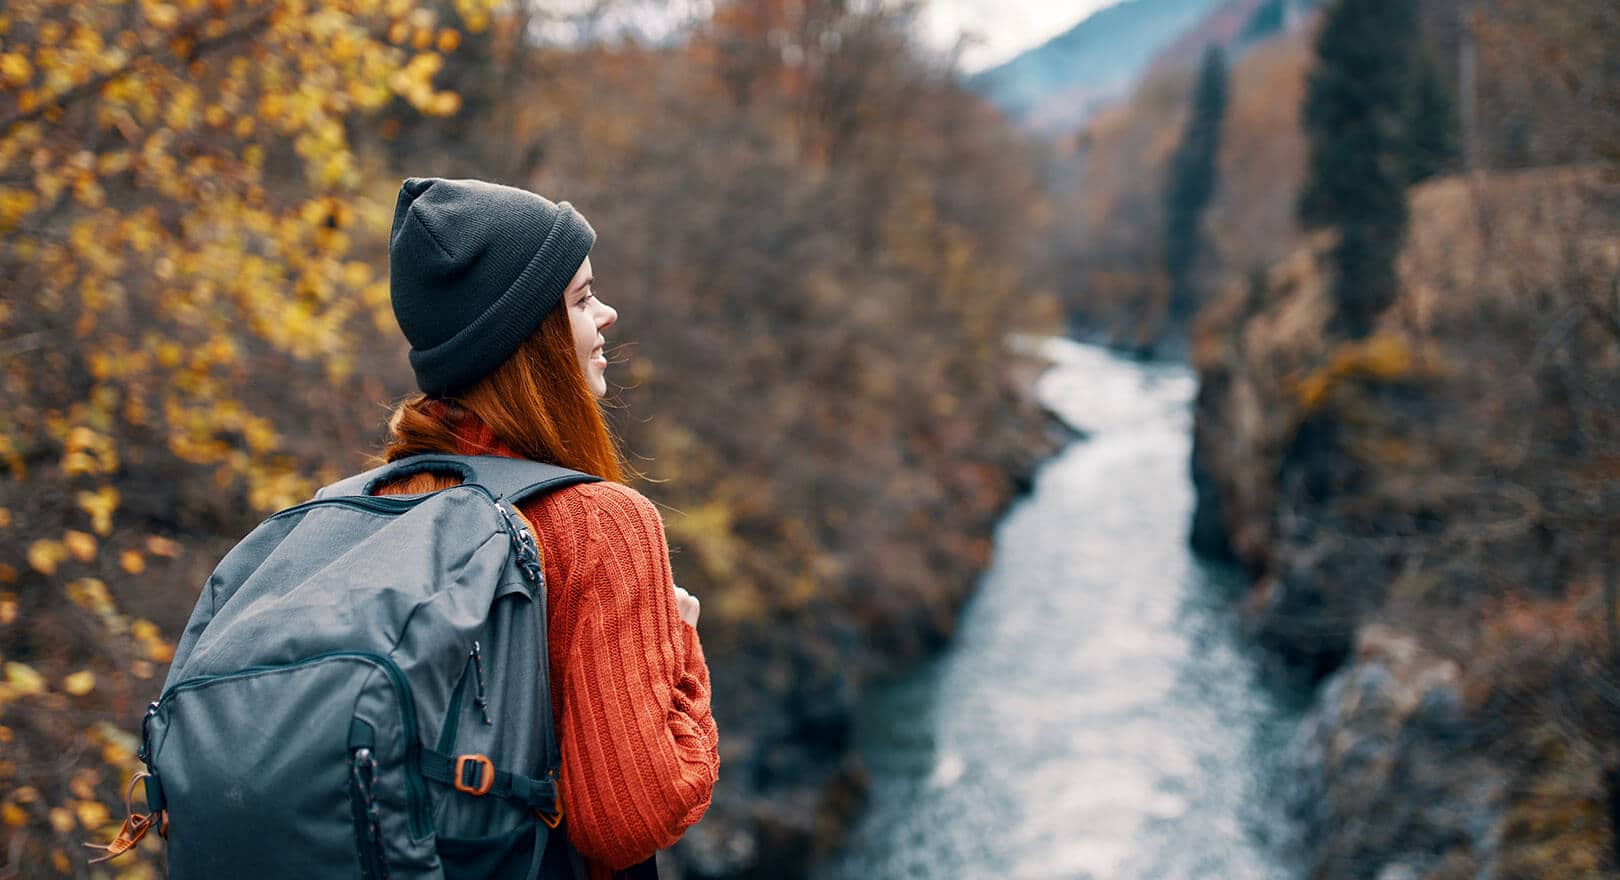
pixel 554 820
pixel 486 775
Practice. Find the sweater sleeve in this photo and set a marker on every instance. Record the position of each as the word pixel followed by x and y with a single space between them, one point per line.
pixel 639 744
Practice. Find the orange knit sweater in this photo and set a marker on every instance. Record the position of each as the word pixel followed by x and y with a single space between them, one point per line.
pixel 630 687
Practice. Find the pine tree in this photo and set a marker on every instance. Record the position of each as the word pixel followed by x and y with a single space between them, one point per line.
pixel 1433 135
pixel 1355 119
pixel 1192 181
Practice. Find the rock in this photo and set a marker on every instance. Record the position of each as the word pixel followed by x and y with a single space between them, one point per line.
pixel 1388 789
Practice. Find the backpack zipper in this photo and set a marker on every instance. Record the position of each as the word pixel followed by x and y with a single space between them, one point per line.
pixel 385 504
pixel 452 715
pixel 479 700
pixel 415 793
pixel 363 810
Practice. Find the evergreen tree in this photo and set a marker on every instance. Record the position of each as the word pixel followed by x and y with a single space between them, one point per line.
pixel 1355 119
pixel 1433 136
pixel 1266 21
pixel 1192 181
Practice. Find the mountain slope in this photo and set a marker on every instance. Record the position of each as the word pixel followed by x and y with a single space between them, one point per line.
pixel 1054 86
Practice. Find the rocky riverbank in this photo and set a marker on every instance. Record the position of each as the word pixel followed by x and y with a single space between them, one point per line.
pixel 1426 514
pixel 788 686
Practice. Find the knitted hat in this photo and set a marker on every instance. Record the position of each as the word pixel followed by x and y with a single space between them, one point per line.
pixel 473 268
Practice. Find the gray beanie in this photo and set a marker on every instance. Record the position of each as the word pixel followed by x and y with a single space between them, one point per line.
pixel 473 268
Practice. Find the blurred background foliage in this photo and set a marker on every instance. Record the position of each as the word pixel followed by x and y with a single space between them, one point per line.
pixel 816 240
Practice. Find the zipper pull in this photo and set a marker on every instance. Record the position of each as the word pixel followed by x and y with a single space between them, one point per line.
pixel 479 699
pixel 523 545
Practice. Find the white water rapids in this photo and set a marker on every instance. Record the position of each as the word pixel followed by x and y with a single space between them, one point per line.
pixel 1097 717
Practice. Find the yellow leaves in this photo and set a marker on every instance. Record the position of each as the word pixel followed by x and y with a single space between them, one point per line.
pixel 443 104
pixel 45 555
pixel 160 15
pixel 91 594
pixel 149 220
pixel 61 820
pixel 16 204
pixel 707 530
pixel 84 783
pixel 15 69
pixel 12 458
pixel 79 683
pixel 476 17
pixel 1384 357
pixel 146 632
pixel 132 562
pixel 260 436
pixel 118 746
pixel 91 814
pixel 80 544
pixel 88 453
pixel 169 354
pixel 180 113
pixel 280 488
pixel 22 680
pixel 88 192
pixel 115 162
pixel 356 274
pixel 100 504
pixel 414 81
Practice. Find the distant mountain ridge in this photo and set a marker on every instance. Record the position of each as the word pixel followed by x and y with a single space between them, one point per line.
pixel 1057 84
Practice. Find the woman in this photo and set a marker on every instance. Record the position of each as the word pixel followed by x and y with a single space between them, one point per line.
pixel 492 287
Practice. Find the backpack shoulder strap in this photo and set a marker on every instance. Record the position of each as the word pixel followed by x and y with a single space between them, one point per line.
pixel 514 479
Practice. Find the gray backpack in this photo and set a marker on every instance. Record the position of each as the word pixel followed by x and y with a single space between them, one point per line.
pixel 362 691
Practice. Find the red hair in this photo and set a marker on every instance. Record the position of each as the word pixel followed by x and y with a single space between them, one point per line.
pixel 537 402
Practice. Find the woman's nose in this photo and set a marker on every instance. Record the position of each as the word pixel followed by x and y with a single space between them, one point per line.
pixel 606 316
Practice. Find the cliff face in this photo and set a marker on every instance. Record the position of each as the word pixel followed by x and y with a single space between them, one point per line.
pixel 1429 517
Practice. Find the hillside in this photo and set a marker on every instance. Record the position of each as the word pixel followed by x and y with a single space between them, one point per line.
pixel 1055 86
pixel 1109 250
pixel 1429 516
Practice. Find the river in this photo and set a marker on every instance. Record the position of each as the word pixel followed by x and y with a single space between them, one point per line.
pixel 1098 716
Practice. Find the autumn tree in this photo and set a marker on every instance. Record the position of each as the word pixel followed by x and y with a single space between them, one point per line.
pixel 189 281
